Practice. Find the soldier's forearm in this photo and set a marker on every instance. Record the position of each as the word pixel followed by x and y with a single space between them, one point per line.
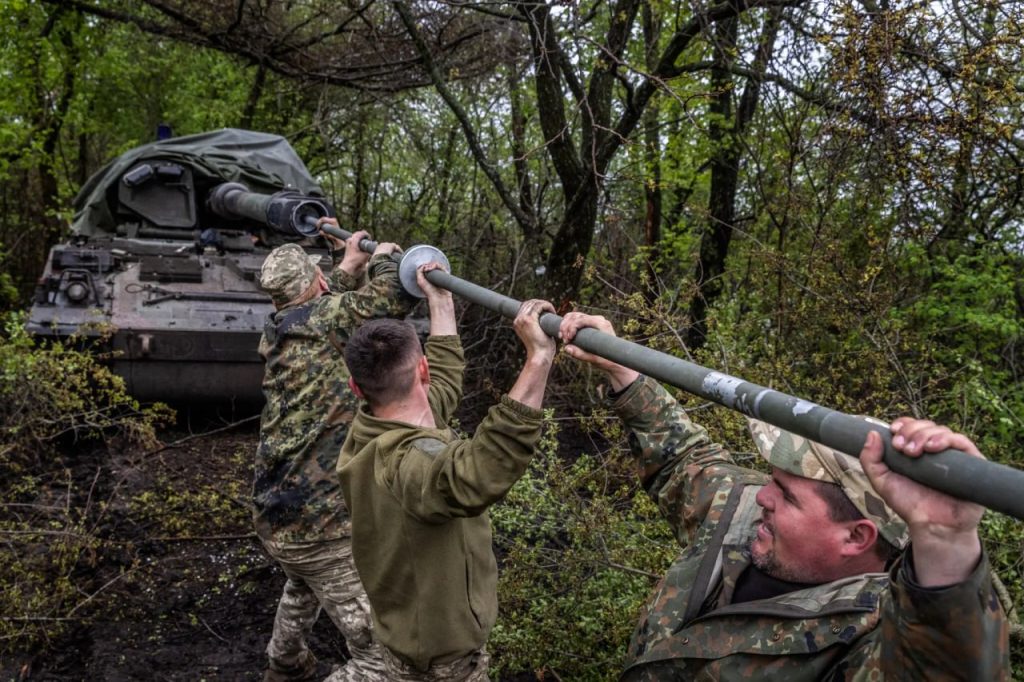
pixel 533 378
pixel 442 316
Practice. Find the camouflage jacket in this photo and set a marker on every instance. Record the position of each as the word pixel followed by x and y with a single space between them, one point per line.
pixel 866 626
pixel 309 405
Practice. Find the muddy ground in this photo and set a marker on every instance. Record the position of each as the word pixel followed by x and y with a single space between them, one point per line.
pixel 182 589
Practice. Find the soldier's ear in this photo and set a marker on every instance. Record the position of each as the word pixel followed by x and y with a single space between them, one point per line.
pixel 355 389
pixel 423 370
pixel 861 537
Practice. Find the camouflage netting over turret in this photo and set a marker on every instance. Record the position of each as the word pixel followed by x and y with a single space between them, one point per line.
pixel 261 161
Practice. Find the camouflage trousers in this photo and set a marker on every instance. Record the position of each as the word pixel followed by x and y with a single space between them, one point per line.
pixel 470 668
pixel 321 575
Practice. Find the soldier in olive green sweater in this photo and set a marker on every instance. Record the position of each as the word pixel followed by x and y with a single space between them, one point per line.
pixel 418 495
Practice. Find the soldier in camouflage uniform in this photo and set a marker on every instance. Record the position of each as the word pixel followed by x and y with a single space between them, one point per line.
pixel 799 574
pixel 300 513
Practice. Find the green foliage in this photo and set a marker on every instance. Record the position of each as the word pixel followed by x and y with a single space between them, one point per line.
pixel 581 546
pixel 38 569
pixel 970 316
pixel 47 392
pixel 50 396
pixel 169 509
pixel 1004 542
pixel 8 292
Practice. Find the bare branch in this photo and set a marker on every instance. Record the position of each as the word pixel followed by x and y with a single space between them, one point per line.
pixel 526 221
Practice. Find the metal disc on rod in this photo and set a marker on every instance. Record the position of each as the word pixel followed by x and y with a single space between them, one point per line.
pixel 418 255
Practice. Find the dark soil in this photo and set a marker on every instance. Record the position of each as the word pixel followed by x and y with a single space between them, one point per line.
pixel 181 592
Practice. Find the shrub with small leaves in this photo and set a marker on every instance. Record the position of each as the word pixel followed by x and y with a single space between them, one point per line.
pixel 55 390
pixel 53 397
pixel 582 547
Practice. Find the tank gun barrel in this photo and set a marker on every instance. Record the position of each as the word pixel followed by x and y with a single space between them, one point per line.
pixel 952 471
pixel 288 211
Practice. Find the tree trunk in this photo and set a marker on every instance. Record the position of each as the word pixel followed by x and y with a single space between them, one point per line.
pixel 360 192
pixel 726 137
pixel 255 92
pixel 714 242
pixel 518 130
pixel 652 158
pixel 570 248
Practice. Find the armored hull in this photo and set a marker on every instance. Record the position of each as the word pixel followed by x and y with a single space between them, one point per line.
pixel 159 281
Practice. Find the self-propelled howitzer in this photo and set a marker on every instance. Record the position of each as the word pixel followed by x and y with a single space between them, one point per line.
pixel 163 262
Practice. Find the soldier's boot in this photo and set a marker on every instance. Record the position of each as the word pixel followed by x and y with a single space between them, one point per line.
pixel 303 671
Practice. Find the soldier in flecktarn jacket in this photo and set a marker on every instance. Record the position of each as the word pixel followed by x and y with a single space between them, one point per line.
pixel 831 567
pixel 300 512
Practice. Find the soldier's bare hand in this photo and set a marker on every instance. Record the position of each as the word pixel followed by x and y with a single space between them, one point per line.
pixel 918 504
pixel 527 326
pixel 619 376
pixel 572 323
pixel 387 248
pixel 355 259
pixel 442 307
pixel 429 290
pixel 336 243
pixel 943 529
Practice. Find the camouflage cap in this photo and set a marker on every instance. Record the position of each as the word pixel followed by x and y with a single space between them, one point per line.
pixel 287 272
pixel 802 457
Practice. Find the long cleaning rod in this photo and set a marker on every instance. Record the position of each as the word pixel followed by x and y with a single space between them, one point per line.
pixel 954 472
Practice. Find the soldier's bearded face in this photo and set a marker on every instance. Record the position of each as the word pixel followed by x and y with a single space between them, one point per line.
pixel 796 539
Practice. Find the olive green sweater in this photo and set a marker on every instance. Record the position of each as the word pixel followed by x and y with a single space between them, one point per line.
pixel 420 536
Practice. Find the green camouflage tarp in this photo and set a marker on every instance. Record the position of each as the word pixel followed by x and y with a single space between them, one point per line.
pixel 261 161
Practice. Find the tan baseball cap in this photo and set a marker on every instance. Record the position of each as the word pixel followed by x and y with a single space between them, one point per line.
pixel 287 272
pixel 802 457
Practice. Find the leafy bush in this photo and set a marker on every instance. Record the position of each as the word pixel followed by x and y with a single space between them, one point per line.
pixel 53 391
pixel 171 506
pixel 8 292
pixel 52 397
pixel 582 548
pixel 971 323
